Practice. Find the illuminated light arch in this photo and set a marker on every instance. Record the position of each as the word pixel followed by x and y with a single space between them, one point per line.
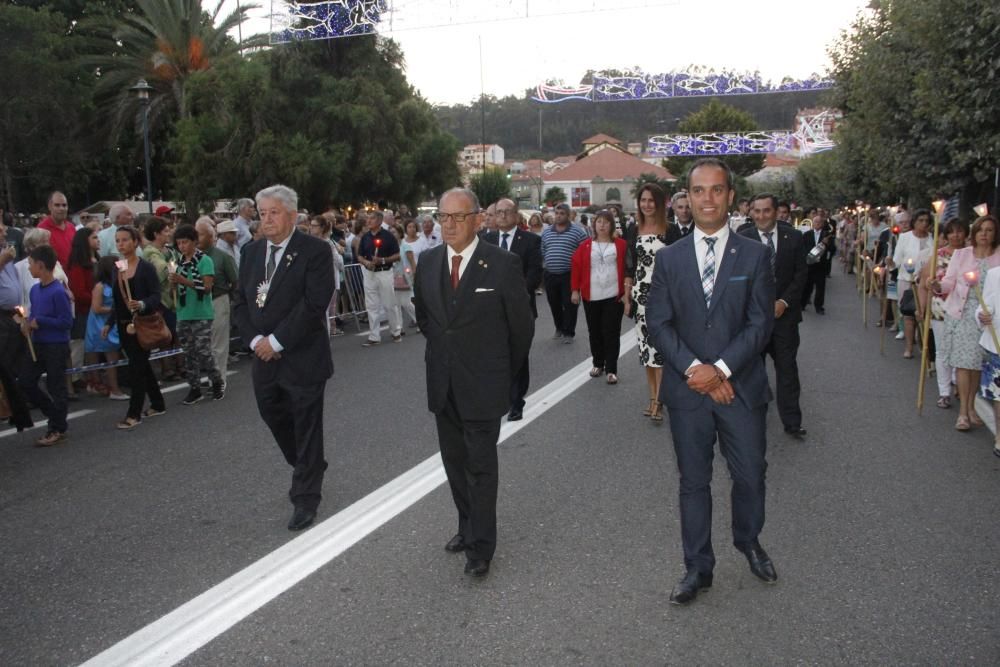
pixel 637 85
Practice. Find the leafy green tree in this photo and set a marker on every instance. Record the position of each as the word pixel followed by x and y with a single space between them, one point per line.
pixel 713 118
pixel 491 185
pixel 554 195
pixel 919 110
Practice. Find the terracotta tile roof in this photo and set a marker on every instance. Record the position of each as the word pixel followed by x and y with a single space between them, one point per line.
pixel 600 139
pixel 611 165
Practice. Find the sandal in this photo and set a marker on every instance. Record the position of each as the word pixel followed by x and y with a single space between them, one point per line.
pixel 944 402
pixel 962 424
pixel 153 412
pixel 127 424
pixel 612 378
pixel 907 355
pixel 595 371
pixel 655 415
pixel 648 412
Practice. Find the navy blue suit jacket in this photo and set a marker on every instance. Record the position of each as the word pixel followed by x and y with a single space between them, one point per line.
pixel 735 328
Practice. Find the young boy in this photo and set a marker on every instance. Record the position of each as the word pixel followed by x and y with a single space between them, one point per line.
pixel 49 326
pixel 194 278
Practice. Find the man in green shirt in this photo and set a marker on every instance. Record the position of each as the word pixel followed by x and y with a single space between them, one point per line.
pixel 223 287
pixel 194 278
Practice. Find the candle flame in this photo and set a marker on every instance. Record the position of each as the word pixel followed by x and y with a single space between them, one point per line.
pixel 981 210
pixel 971 277
pixel 122 265
pixel 19 310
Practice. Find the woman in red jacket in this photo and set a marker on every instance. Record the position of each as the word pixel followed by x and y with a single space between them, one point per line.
pixel 598 278
pixel 80 272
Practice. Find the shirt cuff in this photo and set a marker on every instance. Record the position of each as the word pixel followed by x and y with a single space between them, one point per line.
pixel 721 365
pixel 253 343
pixel 696 362
pixel 275 345
pixel 784 302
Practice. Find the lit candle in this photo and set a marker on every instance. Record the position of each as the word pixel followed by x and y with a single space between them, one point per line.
pixel 27 336
pixel 910 266
pixel 972 278
pixel 172 266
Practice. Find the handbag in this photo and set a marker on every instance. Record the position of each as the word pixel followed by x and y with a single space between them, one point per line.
pixel 908 304
pixel 151 331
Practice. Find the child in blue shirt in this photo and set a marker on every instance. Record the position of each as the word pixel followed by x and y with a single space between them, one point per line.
pixel 49 326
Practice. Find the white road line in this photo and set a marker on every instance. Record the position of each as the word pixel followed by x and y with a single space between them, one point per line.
pixel 45 422
pixel 184 385
pixel 194 624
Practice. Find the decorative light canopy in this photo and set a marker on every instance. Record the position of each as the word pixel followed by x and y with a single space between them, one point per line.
pixel 696 82
pixel 291 21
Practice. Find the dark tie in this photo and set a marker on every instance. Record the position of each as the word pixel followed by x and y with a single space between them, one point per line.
pixel 708 274
pixel 271 262
pixel 456 262
pixel 685 230
pixel 770 246
pixel 503 243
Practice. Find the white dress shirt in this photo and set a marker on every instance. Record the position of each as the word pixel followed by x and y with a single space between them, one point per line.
pixel 466 256
pixel 275 345
pixel 774 237
pixel 701 252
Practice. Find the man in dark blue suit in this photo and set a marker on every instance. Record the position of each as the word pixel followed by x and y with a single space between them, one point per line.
pixel 711 313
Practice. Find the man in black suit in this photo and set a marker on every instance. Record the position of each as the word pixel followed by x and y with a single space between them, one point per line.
pixel 820 234
pixel 285 286
pixel 784 245
pixel 528 247
pixel 472 306
pixel 681 205
pixel 710 312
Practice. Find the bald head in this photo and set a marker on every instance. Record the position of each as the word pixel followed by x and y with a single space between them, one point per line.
pixel 206 233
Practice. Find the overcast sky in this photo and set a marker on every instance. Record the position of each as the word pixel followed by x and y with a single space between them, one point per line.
pixel 777 37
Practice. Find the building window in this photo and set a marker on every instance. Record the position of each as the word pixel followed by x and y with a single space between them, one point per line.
pixel 580 197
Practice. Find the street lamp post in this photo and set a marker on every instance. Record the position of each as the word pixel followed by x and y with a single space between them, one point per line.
pixel 141 90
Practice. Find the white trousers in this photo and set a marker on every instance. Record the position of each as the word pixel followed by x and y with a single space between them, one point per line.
pixel 379 293
pixel 942 371
pixel 220 334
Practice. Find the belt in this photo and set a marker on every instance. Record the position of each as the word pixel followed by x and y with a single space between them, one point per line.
pixel 382 267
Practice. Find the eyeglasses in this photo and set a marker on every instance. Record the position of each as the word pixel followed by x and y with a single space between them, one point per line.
pixel 455 217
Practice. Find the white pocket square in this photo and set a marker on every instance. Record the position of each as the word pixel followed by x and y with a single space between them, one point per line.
pixel 484 289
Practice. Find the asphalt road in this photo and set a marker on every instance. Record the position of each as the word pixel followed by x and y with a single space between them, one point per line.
pixel 882 525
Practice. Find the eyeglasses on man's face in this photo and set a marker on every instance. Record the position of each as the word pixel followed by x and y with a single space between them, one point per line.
pixel 455 217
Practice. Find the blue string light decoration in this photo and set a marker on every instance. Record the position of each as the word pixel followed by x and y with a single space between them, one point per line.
pixel 637 85
pixel 325 20
pixel 814 135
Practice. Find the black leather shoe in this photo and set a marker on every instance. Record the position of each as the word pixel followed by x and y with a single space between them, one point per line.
pixel 760 564
pixel 514 415
pixel 821 311
pixel 796 432
pixel 477 567
pixel 455 545
pixel 301 518
pixel 687 588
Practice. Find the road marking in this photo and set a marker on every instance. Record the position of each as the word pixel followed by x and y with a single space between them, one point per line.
pixel 45 422
pixel 194 624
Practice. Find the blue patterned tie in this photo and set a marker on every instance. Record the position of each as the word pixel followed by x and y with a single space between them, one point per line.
pixel 708 275
pixel 770 246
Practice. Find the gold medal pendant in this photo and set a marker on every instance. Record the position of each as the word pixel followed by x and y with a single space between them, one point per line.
pixel 262 293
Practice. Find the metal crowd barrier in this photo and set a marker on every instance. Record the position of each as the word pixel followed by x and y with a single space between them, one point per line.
pixel 354 287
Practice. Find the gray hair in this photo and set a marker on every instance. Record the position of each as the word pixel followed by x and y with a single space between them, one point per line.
pixel 282 193
pixel 205 222
pixel 35 237
pixel 424 217
pixel 244 202
pixel 678 196
pixel 116 211
pixel 468 194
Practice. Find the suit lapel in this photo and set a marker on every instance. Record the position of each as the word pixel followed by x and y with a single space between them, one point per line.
pixel 690 259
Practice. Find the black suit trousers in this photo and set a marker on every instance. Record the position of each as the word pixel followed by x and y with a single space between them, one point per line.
pixel 519 387
pixel 558 291
pixel 469 453
pixel 604 325
pixel 294 413
pixel 742 441
pixel 784 349
pixel 815 282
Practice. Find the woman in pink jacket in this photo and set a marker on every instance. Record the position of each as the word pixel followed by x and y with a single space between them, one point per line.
pixel 598 278
pixel 960 343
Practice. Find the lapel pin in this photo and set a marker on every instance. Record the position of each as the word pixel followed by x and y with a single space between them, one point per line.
pixel 732 251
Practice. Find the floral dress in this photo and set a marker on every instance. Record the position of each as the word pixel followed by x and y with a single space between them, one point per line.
pixel 960 342
pixel 645 251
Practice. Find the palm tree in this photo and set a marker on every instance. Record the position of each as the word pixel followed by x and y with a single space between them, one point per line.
pixel 164 42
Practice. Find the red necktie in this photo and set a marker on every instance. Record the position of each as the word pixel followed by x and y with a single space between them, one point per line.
pixel 456 262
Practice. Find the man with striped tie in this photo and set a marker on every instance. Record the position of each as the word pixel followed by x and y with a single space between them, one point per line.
pixel 710 312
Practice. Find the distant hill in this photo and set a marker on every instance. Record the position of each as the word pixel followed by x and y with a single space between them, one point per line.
pixel 514 122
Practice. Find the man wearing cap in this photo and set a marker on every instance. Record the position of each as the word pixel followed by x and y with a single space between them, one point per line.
pixel 119 215
pixel 227 243
pixel 163 211
pixel 59 227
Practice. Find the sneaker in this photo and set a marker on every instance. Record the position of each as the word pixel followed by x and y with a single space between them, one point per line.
pixel 118 397
pixel 370 343
pixel 50 438
pixel 218 391
pixel 900 336
pixel 193 396
pixel 398 338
